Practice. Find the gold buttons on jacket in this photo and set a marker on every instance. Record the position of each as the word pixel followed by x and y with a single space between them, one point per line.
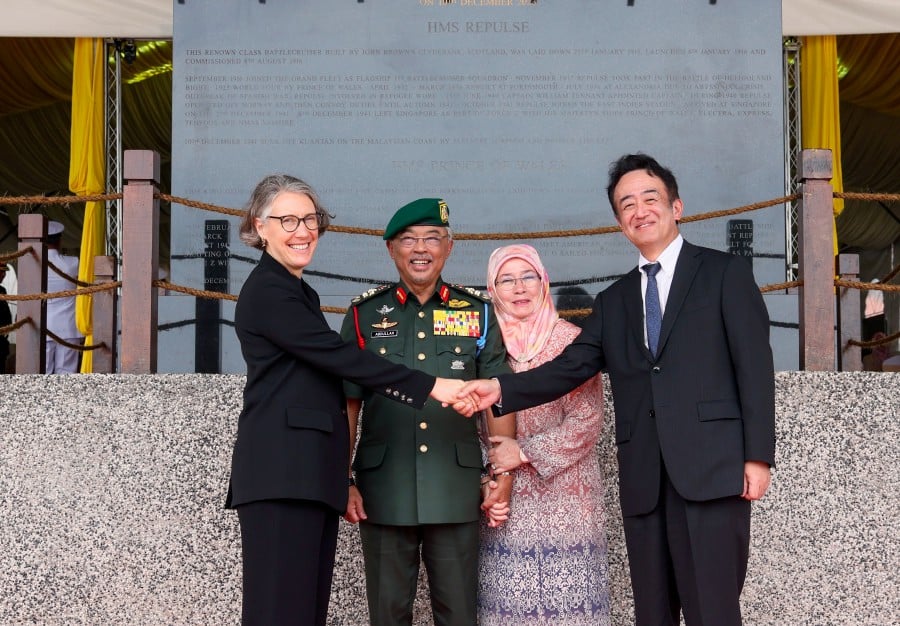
pixel 423 448
pixel 421 334
pixel 421 356
pixel 457 349
pixel 421 314
pixel 382 350
pixel 423 425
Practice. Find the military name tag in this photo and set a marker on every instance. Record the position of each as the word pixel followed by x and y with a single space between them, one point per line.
pixel 382 334
pixel 457 323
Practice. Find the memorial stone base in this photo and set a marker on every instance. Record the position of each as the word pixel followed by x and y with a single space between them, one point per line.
pixel 111 493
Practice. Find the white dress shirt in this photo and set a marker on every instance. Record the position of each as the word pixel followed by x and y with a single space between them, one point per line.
pixel 667 260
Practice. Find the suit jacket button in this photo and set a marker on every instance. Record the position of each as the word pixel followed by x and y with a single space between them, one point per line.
pixel 423 448
pixel 421 356
pixel 652 413
pixel 421 334
pixel 423 425
pixel 656 370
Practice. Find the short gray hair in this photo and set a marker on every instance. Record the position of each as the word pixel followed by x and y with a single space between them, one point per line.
pixel 260 205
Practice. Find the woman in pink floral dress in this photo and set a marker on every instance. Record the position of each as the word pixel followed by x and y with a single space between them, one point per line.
pixel 547 563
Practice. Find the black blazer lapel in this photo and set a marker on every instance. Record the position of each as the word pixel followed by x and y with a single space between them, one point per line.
pixel 685 271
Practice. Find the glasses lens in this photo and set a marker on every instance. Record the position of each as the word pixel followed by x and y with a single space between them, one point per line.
pixel 311 221
pixel 289 223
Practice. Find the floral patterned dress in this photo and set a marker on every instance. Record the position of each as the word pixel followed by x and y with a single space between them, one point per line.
pixel 547 564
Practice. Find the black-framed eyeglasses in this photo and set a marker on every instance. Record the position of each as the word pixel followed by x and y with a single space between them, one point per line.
pixel 432 241
pixel 508 283
pixel 290 223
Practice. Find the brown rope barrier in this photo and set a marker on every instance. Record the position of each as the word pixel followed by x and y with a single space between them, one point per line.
pixel 741 209
pixel 214 295
pixel 81 291
pixel 71 279
pixel 874 342
pixel 852 284
pixel 547 234
pixel 5 330
pixel 15 255
pixel 196 204
pixel 96 197
pixel 567 313
pixel 74 346
pixel 781 286
pixel 870 197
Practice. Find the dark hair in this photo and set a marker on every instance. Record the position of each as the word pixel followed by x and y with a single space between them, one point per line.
pixel 260 204
pixel 640 161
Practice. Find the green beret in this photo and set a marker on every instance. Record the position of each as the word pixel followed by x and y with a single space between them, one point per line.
pixel 421 212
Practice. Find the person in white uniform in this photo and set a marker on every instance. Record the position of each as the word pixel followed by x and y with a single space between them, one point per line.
pixel 61 311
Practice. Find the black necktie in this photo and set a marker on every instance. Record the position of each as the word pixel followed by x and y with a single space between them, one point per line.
pixel 654 311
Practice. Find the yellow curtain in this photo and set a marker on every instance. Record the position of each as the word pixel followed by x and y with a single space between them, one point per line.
pixel 820 111
pixel 87 168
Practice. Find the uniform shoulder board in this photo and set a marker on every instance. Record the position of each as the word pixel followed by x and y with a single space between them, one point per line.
pixel 484 296
pixel 370 293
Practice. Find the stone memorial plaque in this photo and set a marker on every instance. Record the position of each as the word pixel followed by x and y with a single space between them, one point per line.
pixel 510 110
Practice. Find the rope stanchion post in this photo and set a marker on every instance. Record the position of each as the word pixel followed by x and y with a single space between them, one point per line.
pixel 103 313
pixel 849 316
pixel 816 247
pixel 140 262
pixel 31 356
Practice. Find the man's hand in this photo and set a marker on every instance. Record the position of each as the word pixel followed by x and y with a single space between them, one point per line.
pixel 496 495
pixel 504 456
pixel 355 511
pixel 448 391
pixel 757 476
pixel 477 395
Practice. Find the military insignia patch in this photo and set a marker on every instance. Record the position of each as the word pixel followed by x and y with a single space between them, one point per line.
pixel 457 365
pixel 385 322
pixel 458 304
pixel 457 323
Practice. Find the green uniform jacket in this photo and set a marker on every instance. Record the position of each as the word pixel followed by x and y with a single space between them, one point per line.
pixel 422 466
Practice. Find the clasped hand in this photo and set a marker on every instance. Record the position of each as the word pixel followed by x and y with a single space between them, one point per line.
pixel 466 398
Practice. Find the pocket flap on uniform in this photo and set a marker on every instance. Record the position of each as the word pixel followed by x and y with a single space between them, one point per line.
pixel 369 457
pixel 468 455
pixel 718 410
pixel 305 418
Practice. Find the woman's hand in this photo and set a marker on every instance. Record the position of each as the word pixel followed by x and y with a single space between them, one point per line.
pixel 355 511
pixel 505 456
pixel 496 494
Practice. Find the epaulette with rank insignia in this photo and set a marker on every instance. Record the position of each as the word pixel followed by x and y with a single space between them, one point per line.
pixel 484 296
pixel 374 291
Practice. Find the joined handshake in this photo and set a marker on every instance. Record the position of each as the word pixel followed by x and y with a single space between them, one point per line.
pixel 466 398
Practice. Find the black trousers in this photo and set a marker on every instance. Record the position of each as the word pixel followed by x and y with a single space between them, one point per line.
pixel 688 556
pixel 288 551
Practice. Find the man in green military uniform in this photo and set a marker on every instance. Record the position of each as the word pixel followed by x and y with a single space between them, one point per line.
pixel 418 472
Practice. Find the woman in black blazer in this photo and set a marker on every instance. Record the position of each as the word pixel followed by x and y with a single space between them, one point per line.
pixel 289 466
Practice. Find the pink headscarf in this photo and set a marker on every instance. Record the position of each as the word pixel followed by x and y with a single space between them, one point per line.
pixel 524 339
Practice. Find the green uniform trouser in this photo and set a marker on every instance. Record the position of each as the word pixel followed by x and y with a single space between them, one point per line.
pixel 450 554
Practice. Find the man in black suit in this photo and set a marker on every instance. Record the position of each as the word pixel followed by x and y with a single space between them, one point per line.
pixel 693 389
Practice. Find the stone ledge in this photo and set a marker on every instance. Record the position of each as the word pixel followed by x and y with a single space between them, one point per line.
pixel 111 492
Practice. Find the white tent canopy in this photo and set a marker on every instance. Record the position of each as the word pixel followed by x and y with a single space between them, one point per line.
pixel 152 19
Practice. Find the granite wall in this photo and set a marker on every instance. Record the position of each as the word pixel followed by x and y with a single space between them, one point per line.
pixel 111 492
